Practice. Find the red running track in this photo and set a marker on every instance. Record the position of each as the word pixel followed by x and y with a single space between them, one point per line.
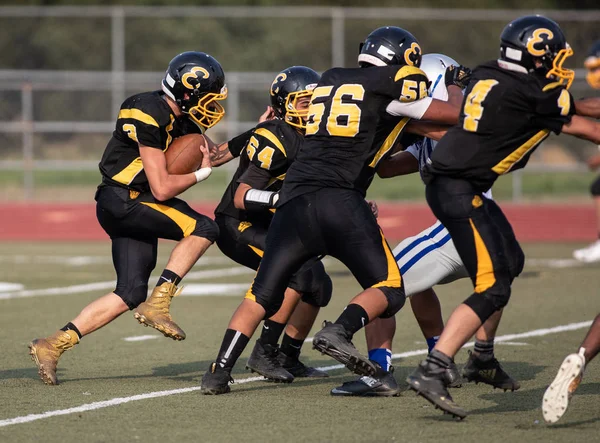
pixel 77 222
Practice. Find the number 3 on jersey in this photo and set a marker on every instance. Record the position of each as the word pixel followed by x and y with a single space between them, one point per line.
pixel 473 108
pixel 343 119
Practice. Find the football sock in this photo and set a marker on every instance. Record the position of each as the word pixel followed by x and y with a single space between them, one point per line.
pixel 291 346
pixel 438 359
pixel 431 342
pixel 232 347
pixel 168 276
pixel 353 318
pixel 71 327
pixel 271 332
pixel 382 356
pixel 484 349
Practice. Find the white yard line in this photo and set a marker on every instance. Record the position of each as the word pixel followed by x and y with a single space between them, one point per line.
pixel 121 400
pixel 141 337
pixel 109 285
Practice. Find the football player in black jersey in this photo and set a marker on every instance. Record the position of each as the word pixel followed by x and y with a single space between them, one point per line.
pixel 245 213
pixel 354 119
pixel 136 203
pixel 511 105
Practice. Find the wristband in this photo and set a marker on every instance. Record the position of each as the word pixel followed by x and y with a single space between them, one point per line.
pixel 202 174
pixel 257 200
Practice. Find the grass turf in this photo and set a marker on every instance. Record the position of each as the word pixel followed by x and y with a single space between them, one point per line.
pixel 104 366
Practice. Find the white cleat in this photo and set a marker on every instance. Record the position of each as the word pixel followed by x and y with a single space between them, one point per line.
pixel 589 254
pixel 557 396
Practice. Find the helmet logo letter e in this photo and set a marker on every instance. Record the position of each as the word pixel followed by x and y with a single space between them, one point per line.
pixel 412 54
pixel 193 74
pixel 274 87
pixel 537 38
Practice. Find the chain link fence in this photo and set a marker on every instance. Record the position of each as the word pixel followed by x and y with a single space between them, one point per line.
pixel 65 70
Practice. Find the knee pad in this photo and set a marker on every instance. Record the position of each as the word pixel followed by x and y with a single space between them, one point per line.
pixel 395 298
pixel 321 297
pixel 207 229
pixel 134 295
pixel 595 188
pixel 489 301
pixel 271 303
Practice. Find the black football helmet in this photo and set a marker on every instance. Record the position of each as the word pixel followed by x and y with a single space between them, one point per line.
pixel 534 39
pixel 389 45
pixel 592 64
pixel 196 82
pixel 288 88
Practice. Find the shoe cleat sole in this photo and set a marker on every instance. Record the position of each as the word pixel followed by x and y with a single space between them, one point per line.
pixel 164 331
pixel 357 364
pixel 44 376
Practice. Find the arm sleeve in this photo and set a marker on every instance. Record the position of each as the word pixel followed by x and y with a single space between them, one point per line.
pixel 255 177
pixel 553 109
pixel 414 109
pixel 237 144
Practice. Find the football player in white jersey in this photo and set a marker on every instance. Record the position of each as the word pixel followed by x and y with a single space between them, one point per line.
pixel 426 259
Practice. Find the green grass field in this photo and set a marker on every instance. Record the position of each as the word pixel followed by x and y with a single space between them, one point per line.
pixel 104 366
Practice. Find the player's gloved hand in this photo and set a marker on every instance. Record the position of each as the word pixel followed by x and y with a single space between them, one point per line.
pixel 457 76
pixel 374 208
pixel 269 114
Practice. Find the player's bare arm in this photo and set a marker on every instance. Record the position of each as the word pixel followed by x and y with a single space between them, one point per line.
pixel 583 128
pixel 401 163
pixel 434 131
pixel 164 185
pixel 588 107
pixel 221 154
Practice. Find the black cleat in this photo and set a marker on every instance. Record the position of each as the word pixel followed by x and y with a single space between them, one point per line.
pixel 216 381
pixel 429 382
pixel 452 377
pixel 489 372
pixel 264 361
pixel 298 369
pixel 382 384
pixel 335 341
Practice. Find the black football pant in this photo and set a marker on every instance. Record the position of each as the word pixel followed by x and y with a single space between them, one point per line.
pixel 336 222
pixel 135 221
pixel 245 243
pixel 483 238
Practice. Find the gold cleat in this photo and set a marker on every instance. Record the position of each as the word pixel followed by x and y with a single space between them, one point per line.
pixel 45 352
pixel 155 311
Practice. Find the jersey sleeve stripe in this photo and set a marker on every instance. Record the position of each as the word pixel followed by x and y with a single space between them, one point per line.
pixel 405 71
pixel 271 137
pixel 136 114
pixel 506 164
pixel 553 85
pixel 389 142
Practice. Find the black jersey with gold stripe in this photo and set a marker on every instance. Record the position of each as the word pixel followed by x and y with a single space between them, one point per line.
pixel 271 148
pixel 144 119
pixel 505 115
pixel 349 130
